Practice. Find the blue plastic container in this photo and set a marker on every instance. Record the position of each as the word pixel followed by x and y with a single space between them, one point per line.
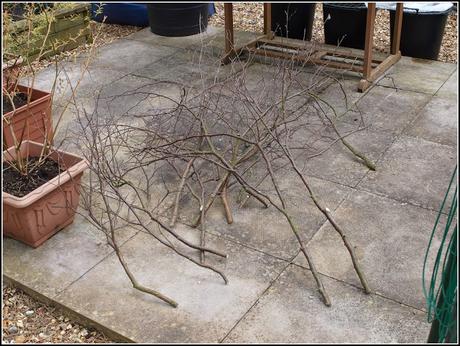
pixel 211 9
pixel 134 14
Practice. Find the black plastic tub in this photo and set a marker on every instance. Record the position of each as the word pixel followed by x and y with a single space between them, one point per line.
pixel 421 33
pixel 299 19
pixel 347 24
pixel 178 19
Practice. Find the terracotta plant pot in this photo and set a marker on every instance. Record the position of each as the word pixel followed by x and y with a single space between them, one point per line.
pixel 34 218
pixel 35 116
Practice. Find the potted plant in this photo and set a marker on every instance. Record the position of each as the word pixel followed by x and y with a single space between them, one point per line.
pixel 40 31
pixel 40 181
pixel 34 120
pixel 26 115
pixel 41 191
pixel 26 110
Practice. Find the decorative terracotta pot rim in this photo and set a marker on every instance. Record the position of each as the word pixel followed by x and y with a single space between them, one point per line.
pixel 26 89
pixel 41 191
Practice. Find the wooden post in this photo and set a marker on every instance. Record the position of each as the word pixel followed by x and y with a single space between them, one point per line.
pixel 229 39
pixel 369 42
pixel 268 20
pixel 397 29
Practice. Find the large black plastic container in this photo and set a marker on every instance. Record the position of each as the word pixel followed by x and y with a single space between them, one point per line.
pixel 178 19
pixel 299 19
pixel 347 24
pixel 421 33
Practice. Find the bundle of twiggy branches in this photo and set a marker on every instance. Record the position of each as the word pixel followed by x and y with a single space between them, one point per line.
pixel 228 137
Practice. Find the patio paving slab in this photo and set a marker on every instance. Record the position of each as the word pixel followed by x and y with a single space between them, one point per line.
pixel 128 99
pixel 291 312
pixel 186 67
pixel 132 96
pixel 207 309
pixel 438 122
pixel 390 240
pixel 450 87
pixel 129 55
pixel 387 109
pixel 413 170
pixel 93 79
pixel 419 75
pixel 267 230
pixel 61 260
pixel 109 64
pixel 146 36
pixel 338 164
pixel 263 83
pixel 215 46
pixel 342 95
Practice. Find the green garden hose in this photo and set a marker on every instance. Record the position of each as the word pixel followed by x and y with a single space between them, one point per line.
pixel 441 297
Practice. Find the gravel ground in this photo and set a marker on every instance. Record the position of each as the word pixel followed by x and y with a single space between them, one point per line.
pixel 27 321
pixel 249 17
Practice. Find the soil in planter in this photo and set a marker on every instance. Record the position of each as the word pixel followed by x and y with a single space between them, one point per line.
pixel 20 185
pixel 19 100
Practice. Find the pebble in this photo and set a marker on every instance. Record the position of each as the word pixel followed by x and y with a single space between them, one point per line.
pixel 13 330
pixel 29 313
pixel 19 339
pixel 20 324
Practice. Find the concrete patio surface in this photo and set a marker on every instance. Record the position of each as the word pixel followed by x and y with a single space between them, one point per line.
pixel 411 133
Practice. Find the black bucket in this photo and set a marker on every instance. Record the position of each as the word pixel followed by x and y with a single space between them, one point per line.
pixel 299 20
pixel 421 33
pixel 347 24
pixel 178 19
